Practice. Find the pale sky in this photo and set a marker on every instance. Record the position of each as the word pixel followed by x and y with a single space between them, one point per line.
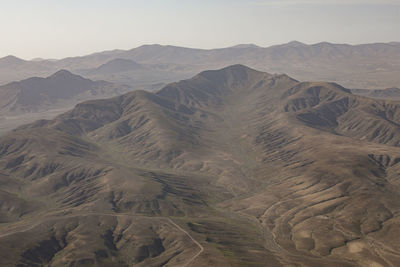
pixel 62 28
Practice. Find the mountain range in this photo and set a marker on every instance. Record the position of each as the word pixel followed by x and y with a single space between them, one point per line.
pixel 233 167
pixel 366 66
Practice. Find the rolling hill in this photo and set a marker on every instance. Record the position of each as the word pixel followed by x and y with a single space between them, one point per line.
pixel 232 167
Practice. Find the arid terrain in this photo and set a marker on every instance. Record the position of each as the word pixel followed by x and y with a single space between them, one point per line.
pixel 150 67
pixel 233 167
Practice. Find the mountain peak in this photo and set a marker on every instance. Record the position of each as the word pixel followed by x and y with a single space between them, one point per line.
pixel 236 70
pixel 121 62
pixel 10 57
pixel 238 67
pixel 63 74
pixel 323 44
pixel 209 88
pixel 295 44
pixel 11 60
pixel 235 67
pixel 245 46
pixel 147 47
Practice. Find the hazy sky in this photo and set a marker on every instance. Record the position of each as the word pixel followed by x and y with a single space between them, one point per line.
pixel 61 28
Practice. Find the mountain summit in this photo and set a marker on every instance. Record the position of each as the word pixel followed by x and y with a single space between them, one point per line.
pixel 117 65
pixel 63 74
pixel 10 61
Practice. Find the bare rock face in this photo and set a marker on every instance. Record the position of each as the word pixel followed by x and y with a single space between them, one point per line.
pixel 233 167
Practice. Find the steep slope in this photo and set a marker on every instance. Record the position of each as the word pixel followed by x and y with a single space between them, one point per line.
pixel 232 167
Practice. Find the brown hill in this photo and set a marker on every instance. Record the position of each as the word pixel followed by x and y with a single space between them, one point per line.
pixel 232 167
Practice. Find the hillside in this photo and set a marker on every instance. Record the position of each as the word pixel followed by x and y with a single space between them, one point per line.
pixel 232 167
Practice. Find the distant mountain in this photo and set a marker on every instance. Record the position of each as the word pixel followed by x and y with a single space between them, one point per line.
pixel 232 167
pixel 246 46
pixel 10 61
pixel 14 69
pixel 388 93
pixel 60 89
pixel 369 66
pixel 117 65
